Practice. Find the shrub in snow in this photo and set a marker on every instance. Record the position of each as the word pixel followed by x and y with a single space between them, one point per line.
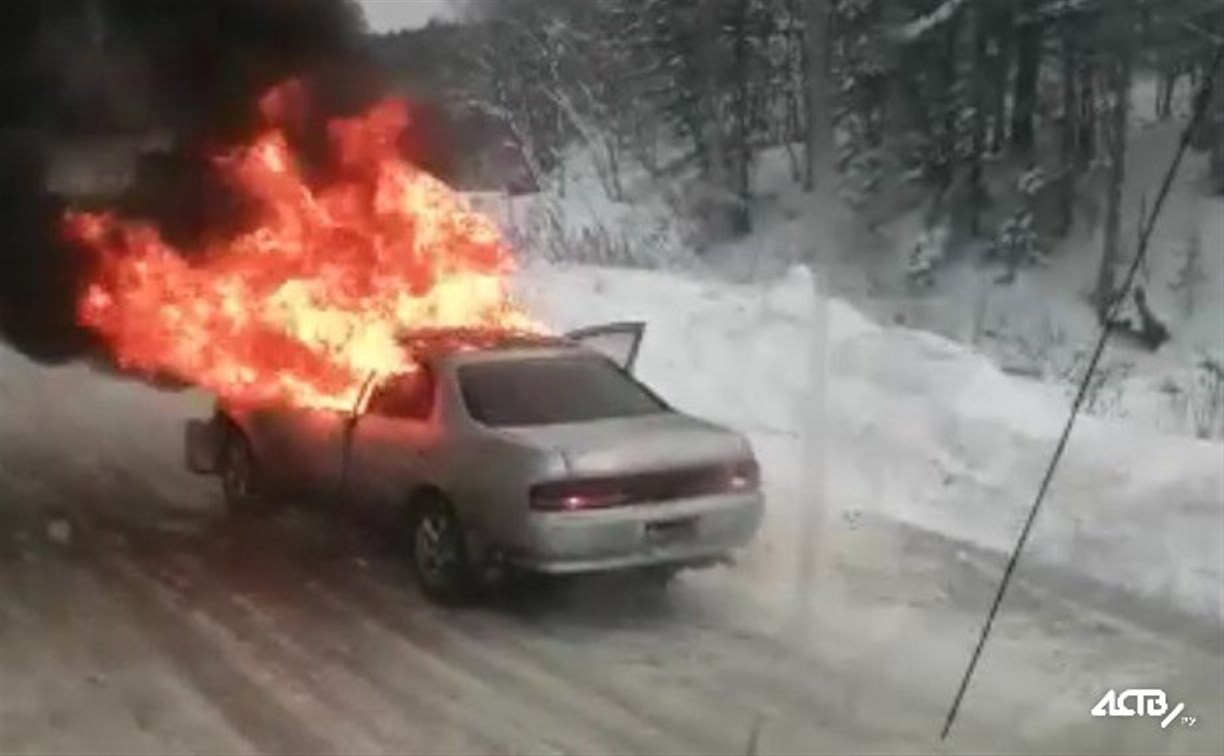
pixel 1017 244
pixel 1136 323
pixel 1190 273
pixel 1104 396
pixel 1195 400
pixel 862 172
pixel 585 228
pixel 1038 350
pixel 1207 400
pixel 1031 182
pixel 925 256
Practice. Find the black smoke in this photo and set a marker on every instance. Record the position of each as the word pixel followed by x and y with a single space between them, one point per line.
pixel 186 74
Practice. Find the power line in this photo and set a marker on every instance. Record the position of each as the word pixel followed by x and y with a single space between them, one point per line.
pixel 1201 99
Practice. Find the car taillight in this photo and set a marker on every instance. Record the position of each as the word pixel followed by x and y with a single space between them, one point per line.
pixel 645 487
pixel 576 495
pixel 744 475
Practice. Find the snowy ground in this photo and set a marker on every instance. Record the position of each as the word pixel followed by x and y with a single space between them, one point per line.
pixel 153 624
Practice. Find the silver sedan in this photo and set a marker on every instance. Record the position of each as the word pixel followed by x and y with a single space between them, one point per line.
pixel 543 454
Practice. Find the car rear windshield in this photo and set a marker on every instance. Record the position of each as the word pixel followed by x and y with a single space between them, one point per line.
pixel 552 390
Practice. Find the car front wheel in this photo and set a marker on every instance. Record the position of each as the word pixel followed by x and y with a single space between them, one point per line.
pixel 439 553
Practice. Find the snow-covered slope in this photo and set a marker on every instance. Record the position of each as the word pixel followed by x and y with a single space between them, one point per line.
pixel 917 427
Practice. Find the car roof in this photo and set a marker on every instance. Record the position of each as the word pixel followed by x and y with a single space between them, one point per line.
pixel 517 354
pixel 462 345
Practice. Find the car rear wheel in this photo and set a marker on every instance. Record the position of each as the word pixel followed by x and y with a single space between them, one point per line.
pixel 239 473
pixel 439 552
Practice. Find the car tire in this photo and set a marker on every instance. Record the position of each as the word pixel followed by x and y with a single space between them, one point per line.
pixel 439 552
pixel 240 475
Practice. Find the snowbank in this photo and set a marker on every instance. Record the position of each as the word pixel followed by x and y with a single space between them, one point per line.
pixel 920 429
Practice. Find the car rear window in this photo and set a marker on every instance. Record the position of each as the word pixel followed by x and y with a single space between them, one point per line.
pixel 553 390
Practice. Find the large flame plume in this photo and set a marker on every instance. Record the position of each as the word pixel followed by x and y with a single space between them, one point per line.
pixel 315 296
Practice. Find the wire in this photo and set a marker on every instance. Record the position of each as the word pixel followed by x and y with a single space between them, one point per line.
pixel 1202 98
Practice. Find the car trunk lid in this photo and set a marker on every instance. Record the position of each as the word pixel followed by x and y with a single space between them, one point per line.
pixel 620 445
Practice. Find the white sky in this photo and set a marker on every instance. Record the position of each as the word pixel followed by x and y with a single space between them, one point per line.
pixel 389 15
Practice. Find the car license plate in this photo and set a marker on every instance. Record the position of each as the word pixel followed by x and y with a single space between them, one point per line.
pixel 663 532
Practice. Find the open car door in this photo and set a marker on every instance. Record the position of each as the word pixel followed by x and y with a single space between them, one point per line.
pixel 618 341
pixel 350 424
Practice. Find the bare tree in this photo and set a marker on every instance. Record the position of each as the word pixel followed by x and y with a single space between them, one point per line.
pixel 1067 131
pixel 1000 47
pixel 1216 132
pixel 1029 30
pixel 979 90
pixel 818 134
pixel 1120 84
pixel 741 218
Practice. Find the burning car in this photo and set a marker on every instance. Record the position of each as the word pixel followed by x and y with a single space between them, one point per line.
pixel 504 449
pixel 358 329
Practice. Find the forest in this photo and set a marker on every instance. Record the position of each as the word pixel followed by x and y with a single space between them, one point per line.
pixel 1003 121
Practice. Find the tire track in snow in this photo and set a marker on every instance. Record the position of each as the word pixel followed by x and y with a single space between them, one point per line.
pixel 413 663
pixel 46 681
pixel 367 718
pixel 706 712
pixel 224 668
pixel 494 650
pixel 90 630
pixel 265 601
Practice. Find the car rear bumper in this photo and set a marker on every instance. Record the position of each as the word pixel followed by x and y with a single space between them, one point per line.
pixel 685 531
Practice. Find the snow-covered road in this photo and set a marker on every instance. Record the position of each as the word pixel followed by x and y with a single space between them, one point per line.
pixel 154 624
pixel 161 626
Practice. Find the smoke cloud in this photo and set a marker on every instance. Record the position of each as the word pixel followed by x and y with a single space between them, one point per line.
pixel 187 76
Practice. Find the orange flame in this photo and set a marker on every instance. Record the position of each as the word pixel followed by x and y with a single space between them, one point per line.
pixel 315 297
